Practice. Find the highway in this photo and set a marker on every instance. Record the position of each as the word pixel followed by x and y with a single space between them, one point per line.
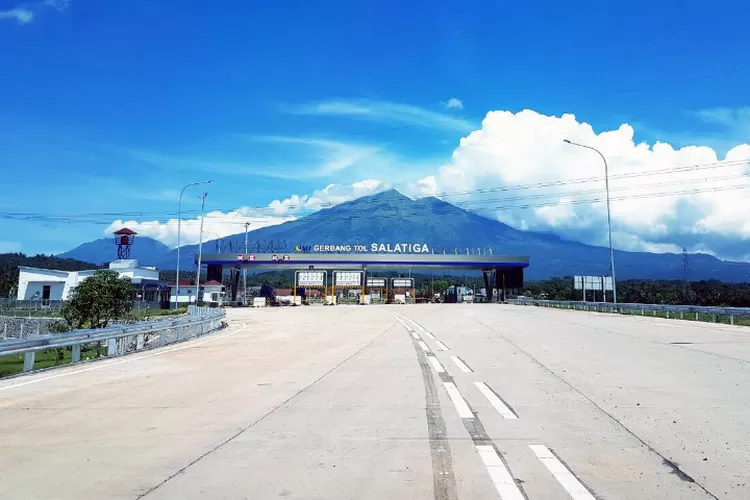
pixel 435 402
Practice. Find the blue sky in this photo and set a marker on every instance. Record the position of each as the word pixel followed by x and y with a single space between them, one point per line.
pixel 108 108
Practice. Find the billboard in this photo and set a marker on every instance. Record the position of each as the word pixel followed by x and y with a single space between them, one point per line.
pixel 403 283
pixel 376 282
pixel 311 278
pixel 347 278
pixel 592 283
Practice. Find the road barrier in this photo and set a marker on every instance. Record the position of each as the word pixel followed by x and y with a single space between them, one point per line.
pixel 697 313
pixel 120 339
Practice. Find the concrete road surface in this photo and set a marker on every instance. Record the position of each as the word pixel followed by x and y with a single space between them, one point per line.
pixel 394 402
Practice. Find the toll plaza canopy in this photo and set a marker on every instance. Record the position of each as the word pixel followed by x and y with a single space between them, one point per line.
pixel 297 260
pixel 501 272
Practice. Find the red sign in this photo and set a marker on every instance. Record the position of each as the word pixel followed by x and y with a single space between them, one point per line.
pixel 251 257
pixel 274 257
pixel 240 256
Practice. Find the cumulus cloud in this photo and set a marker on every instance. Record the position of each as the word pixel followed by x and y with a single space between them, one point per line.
pixel 454 103
pixel 385 111
pixel 331 195
pixel 516 168
pixel 216 225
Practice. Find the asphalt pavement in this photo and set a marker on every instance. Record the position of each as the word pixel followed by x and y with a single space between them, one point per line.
pixel 438 402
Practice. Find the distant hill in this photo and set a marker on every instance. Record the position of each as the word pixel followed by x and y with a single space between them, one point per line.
pixel 390 217
pixel 147 250
pixel 9 263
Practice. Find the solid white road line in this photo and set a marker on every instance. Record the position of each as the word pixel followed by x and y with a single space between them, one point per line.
pixel 130 358
pixel 460 364
pixel 414 335
pixel 572 485
pixel 436 364
pixel 428 334
pixel 423 345
pixel 458 401
pixel 506 486
pixel 442 346
pixel 495 401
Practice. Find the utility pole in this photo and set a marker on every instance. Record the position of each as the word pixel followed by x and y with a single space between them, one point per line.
pixel 200 252
pixel 244 268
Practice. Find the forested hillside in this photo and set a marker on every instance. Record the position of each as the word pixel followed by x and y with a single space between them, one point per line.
pixel 9 263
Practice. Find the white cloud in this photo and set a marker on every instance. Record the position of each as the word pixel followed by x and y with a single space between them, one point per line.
pixel 25 13
pixel 216 224
pixel 385 111
pixel 332 156
pixel 21 15
pixel 331 195
pixel 651 210
pixel 454 103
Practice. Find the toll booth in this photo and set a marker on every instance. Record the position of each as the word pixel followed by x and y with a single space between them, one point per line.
pixel 377 289
pixel 311 286
pixel 347 286
pixel 402 291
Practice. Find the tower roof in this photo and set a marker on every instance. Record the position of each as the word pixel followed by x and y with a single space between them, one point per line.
pixel 125 230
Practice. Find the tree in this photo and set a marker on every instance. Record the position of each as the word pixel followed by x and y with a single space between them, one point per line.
pixel 103 297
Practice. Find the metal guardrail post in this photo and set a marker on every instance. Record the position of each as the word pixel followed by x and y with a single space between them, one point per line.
pixel 667 314
pixel 713 318
pixel 111 347
pixel 139 342
pixel 682 316
pixel 163 338
pixel 696 315
pixel 20 336
pixel 180 334
pixel 28 361
pixel 731 319
pixel 75 354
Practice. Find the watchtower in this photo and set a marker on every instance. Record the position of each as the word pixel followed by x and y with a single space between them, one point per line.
pixel 124 240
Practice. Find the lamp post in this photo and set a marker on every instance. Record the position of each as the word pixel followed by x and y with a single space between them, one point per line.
pixel 179 223
pixel 609 217
pixel 200 253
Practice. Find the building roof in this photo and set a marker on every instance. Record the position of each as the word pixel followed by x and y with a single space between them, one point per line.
pixel 183 283
pixel 213 283
pixel 125 230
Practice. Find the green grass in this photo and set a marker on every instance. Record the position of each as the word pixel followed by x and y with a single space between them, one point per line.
pixel 10 365
pixel 143 314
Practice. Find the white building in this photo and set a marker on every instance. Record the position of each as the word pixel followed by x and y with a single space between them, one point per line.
pixel 53 285
pixel 210 292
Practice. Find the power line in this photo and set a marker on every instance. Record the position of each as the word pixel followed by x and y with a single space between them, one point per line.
pixel 446 194
pixel 401 215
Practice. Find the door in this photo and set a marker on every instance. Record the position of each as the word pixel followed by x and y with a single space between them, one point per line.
pixel 46 289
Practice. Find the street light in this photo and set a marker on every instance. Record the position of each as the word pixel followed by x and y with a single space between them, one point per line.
pixel 179 223
pixel 609 216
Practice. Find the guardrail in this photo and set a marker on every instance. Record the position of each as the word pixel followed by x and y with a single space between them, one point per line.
pixel 120 339
pixel 675 311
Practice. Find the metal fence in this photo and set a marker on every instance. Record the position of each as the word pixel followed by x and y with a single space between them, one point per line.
pixel 72 347
pixel 697 313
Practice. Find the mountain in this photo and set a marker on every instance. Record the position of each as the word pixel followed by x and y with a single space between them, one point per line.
pixel 147 250
pixel 390 217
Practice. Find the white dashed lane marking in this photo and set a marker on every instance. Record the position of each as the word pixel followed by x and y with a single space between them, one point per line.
pixel 436 364
pixel 460 364
pixel 495 401
pixel 458 401
pixel 423 345
pixel 501 478
pixel 442 346
pixel 572 485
